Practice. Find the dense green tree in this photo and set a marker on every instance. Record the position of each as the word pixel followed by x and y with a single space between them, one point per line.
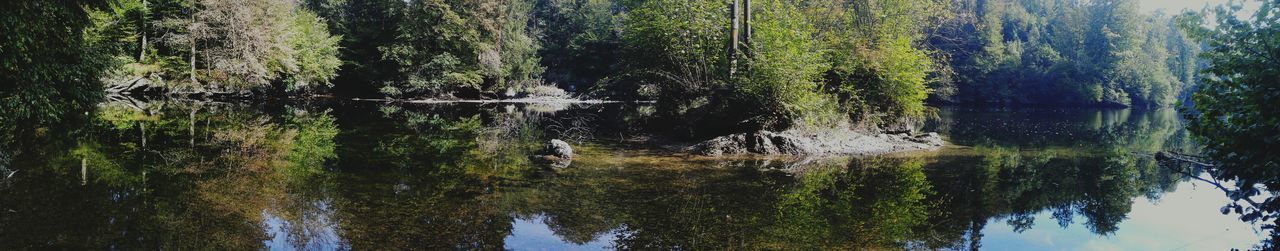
pixel 315 53
pixel 1054 52
pixel 780 73
pixel 49 64
pixel 365 27
pixel 436 49
pixel 799 63
pixel 880 66
pixel 580 43
pixel 1237 107
pixel 215 45
pixel 444 47
pixel 677 48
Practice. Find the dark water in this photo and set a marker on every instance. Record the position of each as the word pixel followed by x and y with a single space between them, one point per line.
pixel 345 175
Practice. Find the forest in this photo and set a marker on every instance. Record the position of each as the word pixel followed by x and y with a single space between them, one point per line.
pixel 710 68
pixel 789 63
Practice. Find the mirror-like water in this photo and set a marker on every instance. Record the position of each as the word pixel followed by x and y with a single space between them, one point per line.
pixel 209 175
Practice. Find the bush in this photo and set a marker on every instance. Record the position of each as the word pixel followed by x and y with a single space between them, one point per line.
pixel 779 88
pixel 883 84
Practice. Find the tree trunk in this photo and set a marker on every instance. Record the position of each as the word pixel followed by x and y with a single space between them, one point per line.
pixel 193 63
pixel 746 23
pixel 191 129
pixel 84 171
pixel 194 83
pixel 142 49
pixel 733 41
pixel 746 36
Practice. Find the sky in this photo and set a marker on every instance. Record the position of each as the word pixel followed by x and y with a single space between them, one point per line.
pixel 1175 6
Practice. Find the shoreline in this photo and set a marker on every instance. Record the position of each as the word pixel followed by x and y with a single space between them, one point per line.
pixel 828 142
pixel 836 142
pixel 502 101
pixel 792 143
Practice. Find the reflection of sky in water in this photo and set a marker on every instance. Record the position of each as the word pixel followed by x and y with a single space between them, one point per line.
pixel 1186 219
pixel 320 230
pixel 533 234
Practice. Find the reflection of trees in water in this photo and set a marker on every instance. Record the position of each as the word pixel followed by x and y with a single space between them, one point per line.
pixel 687 208
pixel 870 203
pixel 186 174
pixel 172 175
pixel 1017 185
pixel 843 203
pixel 1145 131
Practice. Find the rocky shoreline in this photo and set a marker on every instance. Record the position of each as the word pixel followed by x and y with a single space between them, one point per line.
pixel 828 142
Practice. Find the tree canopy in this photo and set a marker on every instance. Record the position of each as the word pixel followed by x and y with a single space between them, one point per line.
pixel 1237 107
pixel 1062 52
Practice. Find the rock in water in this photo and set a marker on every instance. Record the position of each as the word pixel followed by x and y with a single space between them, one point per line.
pixel 931 139
pixel 559 149
pixel 835 141
pixel 761 142
pixel 556 153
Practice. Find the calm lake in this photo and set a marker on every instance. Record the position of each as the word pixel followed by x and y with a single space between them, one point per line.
pixel 185 174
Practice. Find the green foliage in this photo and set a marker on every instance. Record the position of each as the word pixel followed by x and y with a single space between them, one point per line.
pixel 780 78
pixel 365 28
pixel 880 66
pixel 49 62
pixel 678 47
pixel 580 42
pixel 803 62
pixel 1058 52
pixel 242 45
pixel 315 53
pixel 240 40
pixel 446 46
pixel 889 83
pixel 117 27
pixel 1237 108
pixel 518 64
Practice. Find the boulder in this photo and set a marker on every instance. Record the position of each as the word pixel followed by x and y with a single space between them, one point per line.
pixel 836 141
pixel 559 149
pixel 760 142
pixel 793 145
pixel 931 139
pixel 556 153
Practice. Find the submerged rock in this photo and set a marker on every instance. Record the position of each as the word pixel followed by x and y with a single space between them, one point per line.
pixel 843 142
pixel 556 153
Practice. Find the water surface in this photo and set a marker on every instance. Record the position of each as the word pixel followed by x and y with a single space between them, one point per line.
pixel 182 174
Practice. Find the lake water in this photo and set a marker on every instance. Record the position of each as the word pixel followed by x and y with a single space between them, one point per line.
pixel 359 175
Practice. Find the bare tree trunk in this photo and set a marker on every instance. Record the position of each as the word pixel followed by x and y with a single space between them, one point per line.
pixel 746 36
pixel 142 50
pixel 84 171
pixel 746 23
pixel 194 83
pixel 191 129
pixel 193 63
pixel 733 41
